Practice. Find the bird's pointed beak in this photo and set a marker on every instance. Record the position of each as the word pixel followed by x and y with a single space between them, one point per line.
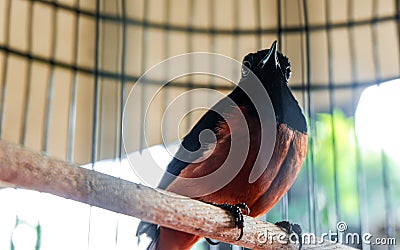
pixel 271 55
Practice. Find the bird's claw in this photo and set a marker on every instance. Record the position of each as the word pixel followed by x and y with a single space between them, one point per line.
pixel 236 211
pixel 213 243
pixel 243 207
pixel 292 230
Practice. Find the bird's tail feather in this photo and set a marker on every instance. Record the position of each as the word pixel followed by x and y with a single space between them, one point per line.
pixel 154 242
pixel 152 231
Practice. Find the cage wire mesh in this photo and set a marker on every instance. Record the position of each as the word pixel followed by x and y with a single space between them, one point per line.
pixel 66 69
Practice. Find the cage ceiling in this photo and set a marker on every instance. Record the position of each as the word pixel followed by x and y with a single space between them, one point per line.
pixel 66 67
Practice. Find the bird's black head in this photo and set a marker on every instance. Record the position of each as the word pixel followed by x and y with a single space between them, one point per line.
pixel 269 65
pixel 272 68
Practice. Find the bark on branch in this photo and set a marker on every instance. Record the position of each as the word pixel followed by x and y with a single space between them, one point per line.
pixel 26 169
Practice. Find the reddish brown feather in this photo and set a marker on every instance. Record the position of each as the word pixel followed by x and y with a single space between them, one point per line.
pixel 289 153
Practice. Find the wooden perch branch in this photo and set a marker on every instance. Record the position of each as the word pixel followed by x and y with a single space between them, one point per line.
pixel 23 168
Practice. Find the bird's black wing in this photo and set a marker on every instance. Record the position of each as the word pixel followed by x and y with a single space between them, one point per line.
pixel 191 148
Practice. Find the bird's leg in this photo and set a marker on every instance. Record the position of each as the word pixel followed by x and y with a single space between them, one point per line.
pixel 236 211
pixel 291 229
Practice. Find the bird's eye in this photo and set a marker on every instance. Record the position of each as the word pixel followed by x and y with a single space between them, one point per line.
pixel 246 68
